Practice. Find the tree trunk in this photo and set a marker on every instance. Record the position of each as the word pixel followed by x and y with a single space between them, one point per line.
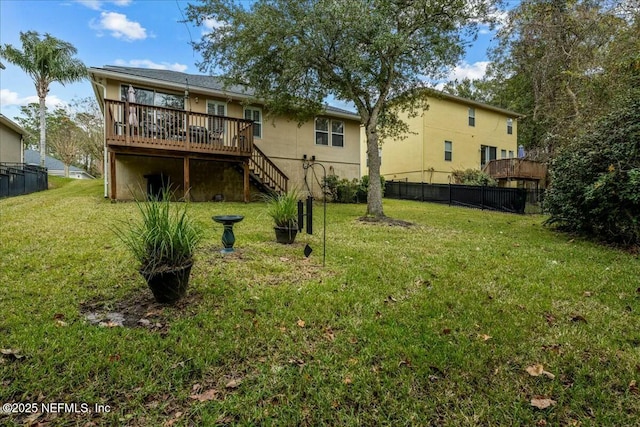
pixel 66 170
pixel 374 196
pixel 43 132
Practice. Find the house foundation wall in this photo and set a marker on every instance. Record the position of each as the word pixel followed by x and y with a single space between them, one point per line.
pixel 293 168
pixel 209 180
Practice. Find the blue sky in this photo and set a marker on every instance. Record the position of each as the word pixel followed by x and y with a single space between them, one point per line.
pixel 142 33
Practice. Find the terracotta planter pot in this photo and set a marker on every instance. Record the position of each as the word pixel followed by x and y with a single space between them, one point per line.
pixel 285 235
pixel 169 286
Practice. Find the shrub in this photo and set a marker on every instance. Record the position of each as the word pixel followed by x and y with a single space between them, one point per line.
pixel 595 181
pixel 473 177
pixel 345 191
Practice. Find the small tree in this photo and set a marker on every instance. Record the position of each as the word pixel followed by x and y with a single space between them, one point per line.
pixel 295 54
pixel 66 140
pixel 46 60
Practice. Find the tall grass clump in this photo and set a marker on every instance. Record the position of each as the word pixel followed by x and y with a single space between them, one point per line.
pixel 163 238
pixel 283 208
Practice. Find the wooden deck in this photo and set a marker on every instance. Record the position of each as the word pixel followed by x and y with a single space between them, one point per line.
pixel 166 132
pixel 138 126
pixel 517 169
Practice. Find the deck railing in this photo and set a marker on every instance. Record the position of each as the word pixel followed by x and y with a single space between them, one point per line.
pixel 267 171
pixel 146 126
pixel 516 169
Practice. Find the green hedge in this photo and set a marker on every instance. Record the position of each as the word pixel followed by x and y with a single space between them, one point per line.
pixel 345 191
pixel 595 182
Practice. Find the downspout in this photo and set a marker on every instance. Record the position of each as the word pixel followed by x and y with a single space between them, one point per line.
pixel 105 174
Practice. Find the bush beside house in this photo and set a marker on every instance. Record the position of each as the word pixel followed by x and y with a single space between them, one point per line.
pixel 595 182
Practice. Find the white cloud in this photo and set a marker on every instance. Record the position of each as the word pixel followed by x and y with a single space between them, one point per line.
pixel 147 63
pixel 119 26
pixel 91 4
pixel 470 71
pixel 97 4
pixel 464 70
pixel 213 24
pixel 9 98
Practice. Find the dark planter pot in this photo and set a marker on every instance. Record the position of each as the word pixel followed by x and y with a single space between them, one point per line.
pixel 285 235
pixel 169 286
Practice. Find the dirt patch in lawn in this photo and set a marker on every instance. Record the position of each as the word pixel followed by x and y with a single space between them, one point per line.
pixel 386 221
pixel 138 309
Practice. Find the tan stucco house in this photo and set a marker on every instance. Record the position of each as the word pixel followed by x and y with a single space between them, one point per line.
pixel 455 133
pixel 11 141
pixel 211 142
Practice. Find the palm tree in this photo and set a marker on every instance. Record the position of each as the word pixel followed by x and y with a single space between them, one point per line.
pixel 46 60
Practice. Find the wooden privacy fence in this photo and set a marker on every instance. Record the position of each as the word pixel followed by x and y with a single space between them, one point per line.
pixel 17 179
pixel 493 198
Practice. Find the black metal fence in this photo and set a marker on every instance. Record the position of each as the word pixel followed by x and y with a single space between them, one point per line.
pixel 18 178
pixel 493 198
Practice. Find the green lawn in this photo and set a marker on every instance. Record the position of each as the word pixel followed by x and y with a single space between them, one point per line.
pixel 434 324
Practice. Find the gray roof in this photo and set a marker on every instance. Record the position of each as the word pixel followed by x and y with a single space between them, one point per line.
pixel 200 81
pixel 196 81
pixel 32 157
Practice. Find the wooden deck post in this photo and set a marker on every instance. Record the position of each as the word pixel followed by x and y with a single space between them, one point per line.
pixel 247 186
pixel 187 184
pixel 112 174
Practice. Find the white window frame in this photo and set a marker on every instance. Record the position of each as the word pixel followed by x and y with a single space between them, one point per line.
pixel 450 151
pixel 329 132
pixel 255 122
pixel 509 126
pixel 472 116
pixel 335 133
pixel 216 104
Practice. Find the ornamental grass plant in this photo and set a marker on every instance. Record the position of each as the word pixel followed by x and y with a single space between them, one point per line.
pixel 164 237
pixel 283 208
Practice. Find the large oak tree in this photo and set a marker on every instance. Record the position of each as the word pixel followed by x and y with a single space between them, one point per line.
pixel 296 53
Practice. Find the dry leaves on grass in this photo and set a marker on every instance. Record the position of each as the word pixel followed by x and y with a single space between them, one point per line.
pixel 301 323
pixel 233 384
pixel 329 334
pixel 537 370
pixel 11 353
pixel 484 337
pixel 205 396
pixel 540 402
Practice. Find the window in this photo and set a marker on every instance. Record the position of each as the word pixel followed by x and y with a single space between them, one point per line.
pixel 152 97
pixel 448 151
pixel 254 114
pixel 337 133
pixel 509 126
pixel 503 154
pixel 149 118
pixel 329 130
pixel 487 154
pixel 322 131
pixel 216 124
pixel 510 154
pixel 472 116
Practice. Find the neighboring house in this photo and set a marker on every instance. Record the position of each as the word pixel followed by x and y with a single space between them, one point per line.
pixel 54 166
pixel 11 141
pixel 209 142
pixel 454 133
